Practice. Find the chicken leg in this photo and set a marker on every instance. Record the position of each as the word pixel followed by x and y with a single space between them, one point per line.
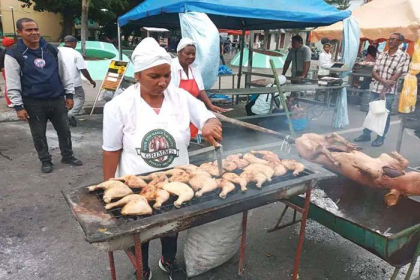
pixel 132 181
pixel 183 191
pixel 226 186
pixel 234 178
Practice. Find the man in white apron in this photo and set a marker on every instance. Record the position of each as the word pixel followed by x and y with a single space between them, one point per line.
pixel 146 129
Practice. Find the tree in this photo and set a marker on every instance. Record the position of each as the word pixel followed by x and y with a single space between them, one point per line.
pixel 84 25
pixel 71 9
pixel 340 4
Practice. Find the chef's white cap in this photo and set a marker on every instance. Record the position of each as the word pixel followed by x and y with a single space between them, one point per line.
pixel 148 54
pixel 185 42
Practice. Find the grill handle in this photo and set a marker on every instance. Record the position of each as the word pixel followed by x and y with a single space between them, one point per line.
pixel 223 118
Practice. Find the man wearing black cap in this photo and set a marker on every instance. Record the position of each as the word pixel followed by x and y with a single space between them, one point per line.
pixel 75 65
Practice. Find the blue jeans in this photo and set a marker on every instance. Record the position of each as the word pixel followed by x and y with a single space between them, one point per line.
pixel 389 100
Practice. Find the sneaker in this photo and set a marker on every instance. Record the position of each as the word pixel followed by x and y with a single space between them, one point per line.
pixel 362 138
pixel 47 167
pixel 72 161
pixel 72 121
pixel 147 275
pixel 174 271
pixel 379 141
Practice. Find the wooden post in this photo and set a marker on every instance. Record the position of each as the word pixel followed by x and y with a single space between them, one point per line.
pixel 84 25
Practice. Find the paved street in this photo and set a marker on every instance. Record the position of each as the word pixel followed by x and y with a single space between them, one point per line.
pixel 41 240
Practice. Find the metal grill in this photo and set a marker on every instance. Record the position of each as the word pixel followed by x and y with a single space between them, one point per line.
pixel 168 205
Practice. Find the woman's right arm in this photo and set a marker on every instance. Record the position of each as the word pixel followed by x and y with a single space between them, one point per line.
pixel 110 162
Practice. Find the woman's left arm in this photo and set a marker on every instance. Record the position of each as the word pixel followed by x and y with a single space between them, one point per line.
pixel 206 100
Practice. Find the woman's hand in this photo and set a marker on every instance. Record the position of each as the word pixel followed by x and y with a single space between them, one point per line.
pixel 212 131
pixel 217 109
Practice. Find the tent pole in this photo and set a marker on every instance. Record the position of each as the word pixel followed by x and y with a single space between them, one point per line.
pixel 250 55
pixel 119 41
pixel 241 58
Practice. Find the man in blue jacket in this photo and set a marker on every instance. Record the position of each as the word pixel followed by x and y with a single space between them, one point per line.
pixel 40 89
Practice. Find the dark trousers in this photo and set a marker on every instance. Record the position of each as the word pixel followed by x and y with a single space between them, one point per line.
pixel 169 249
pixel 389 100
pixel 54 110
pixel 222 59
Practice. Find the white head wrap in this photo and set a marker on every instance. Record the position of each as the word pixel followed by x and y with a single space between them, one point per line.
pixel 148 54
pixel 185 42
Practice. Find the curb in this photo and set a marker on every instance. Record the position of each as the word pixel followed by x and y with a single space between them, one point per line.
pixel 10 115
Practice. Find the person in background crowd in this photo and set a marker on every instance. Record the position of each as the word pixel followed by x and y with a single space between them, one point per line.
pixel 325 61
pixel 371 54
pixel 40 89
pixel 153 110
pixel 75 65
pixel 186 75
pixel 222 50
pixel 389 66
pixel 7 43
pixel 299 56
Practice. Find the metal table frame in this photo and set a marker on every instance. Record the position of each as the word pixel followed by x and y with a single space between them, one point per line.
pixel 231 205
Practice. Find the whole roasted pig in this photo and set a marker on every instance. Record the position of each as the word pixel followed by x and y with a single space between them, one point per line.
pixel 337 154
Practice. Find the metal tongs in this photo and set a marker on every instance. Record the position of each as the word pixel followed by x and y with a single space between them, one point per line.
pixel 218 150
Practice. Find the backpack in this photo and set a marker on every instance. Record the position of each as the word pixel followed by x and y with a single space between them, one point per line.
pixel 19 57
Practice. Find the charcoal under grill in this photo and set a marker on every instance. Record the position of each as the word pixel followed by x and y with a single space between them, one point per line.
pixel 109 230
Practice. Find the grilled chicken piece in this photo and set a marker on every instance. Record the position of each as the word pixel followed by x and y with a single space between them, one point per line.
pixel 187 167
pixel 113 189
pixel 105 185
pixel 198 181
pixel 226 186
pixel 198 172
pixel 254 176
pixel 179 175
pixel 227 165
pixel 279 169
pixel 262 168
pixel 134 204
pixel 241 163
pixel 207 185
pixel 234 157
pixel 268 156
pixel 253 159
pixel 293 165
pixel 161 197
pixel 116 192
pixel 234 178
pixel 183 191
pixel 210 168
pixel 131 180
pixel 153 176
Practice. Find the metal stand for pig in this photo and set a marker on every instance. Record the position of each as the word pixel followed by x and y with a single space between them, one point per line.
pixel 361 216
pixel 108 230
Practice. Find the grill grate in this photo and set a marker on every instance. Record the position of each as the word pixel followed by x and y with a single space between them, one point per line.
pixel 168 205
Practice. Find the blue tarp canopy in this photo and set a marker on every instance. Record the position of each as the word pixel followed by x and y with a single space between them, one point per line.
pixel 237 14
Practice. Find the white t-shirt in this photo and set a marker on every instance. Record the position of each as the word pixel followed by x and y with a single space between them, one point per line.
pixel 193 74
pixel 132 126
pixel 74 62
pixel 325 61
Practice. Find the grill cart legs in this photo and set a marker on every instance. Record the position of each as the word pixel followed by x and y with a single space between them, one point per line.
pixel 304 211
pixel 243 243
pixel 112 265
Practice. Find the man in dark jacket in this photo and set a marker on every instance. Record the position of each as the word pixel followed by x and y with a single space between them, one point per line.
pixel 40 89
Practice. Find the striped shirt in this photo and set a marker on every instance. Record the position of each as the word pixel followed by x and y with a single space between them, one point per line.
pixel 387 66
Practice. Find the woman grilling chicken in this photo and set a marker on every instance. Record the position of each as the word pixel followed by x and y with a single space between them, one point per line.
pixel 186 75
pixel 146 129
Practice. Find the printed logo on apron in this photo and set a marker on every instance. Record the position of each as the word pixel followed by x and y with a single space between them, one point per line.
pixel 158 149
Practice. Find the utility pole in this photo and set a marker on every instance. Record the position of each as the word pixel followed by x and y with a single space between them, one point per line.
pixel 13 23
pixel 84 23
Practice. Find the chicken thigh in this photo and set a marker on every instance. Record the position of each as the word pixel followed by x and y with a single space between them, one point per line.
pixel 262 168
pixel 293 165
pixel 227 165
pixel 132 181
pixel 279 169
pixel 268 155
pixel 254 176
pixel 183 191
pixel 134 204
pixel 234 178
pixel 210 168
pixel 207 185
pixel 226 186
pixel 253 159
pixel 116 192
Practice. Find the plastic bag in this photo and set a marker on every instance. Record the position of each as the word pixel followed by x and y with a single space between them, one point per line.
pixel 376 122
pixel 212 244
pixel 377 106
pixel 202 30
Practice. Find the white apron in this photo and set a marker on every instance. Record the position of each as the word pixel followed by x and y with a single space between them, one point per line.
pixel 156 142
